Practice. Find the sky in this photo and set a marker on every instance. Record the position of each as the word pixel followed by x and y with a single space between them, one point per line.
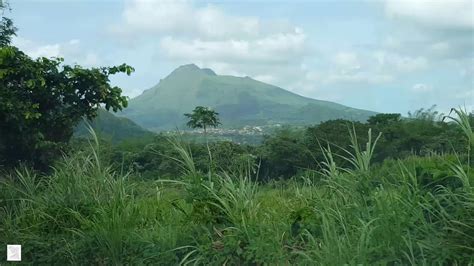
pixel 385 56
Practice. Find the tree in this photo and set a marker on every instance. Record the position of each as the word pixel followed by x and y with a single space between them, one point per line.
pixel 428 115
pixel 7 30
pixel 42 100
pixel 384 119
pixel 203 117
pixel 283 154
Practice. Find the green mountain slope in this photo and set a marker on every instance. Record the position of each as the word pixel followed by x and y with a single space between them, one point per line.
pixel 112 127
pixel 239 100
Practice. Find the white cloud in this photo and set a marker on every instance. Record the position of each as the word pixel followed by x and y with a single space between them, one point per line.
pixel 74 42
pixel 454 14
pixel 371 68
pixel 467 94
pixel 207 34
pixel 34 50
pixel 180 17
pixel 437 29
pixel 347 62
pixel 400 63
pixel 440 47
pixel 276 48
pixel 70 50
pixel 468 71
pixel 346 59
pixel 50 50
pixel 90 59
pixel 361 77
pixel 430 34
pixel 421 88
pixel 460 97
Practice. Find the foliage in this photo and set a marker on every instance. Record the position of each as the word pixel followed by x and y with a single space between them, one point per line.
pixel 287 152
pixel 203 117
pixel 42 100
pixel 429 114
pixel 7 30
pixel 283 154
pixel 384 119
pixel 360 159
pixel 464 120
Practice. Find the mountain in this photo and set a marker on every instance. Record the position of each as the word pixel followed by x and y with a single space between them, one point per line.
pixel 239 100
pixel 112 127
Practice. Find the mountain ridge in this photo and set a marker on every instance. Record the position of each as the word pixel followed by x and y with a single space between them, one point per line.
pixel 112 127
pixel 239 100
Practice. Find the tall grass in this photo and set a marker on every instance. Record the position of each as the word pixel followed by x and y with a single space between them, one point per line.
pixel 401 222
pixel 360 159
pixel 463 121
pixel 228 200
pixel 329 168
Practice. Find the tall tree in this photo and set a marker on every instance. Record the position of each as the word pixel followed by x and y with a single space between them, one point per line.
pixel 42 100
pixel 7 30
pixel 203 117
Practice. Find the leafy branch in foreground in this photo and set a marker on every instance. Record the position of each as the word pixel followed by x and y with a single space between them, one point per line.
pixel 42 100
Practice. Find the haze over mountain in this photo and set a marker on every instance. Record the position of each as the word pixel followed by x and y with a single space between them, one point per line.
pixel 239 100
pixel 109 126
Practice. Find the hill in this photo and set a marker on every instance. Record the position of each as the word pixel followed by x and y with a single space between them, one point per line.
pixel 112 127
pixel 239 100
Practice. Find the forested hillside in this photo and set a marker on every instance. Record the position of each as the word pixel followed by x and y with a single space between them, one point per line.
pixel 111 127
pixel 240 101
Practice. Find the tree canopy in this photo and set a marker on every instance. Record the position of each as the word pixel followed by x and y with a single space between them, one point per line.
pixel 384 119
pixel 203 117
pixel 7 30
pixel 41 101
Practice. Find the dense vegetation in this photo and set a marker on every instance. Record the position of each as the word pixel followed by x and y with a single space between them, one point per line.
pixel 417 210
pixel 111 128
pixel 293 151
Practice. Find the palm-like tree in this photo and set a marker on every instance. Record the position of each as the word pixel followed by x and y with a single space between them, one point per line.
pixel 203 117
